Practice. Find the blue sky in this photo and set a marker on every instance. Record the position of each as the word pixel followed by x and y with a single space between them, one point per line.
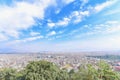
pixel 59 25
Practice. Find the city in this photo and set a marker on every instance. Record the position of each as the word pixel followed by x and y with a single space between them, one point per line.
pixel 59 39
pixel 68 61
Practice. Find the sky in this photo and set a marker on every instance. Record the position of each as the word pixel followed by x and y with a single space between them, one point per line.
pixel 59 25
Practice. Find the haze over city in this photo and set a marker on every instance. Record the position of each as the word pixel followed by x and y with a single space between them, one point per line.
pixel 59 25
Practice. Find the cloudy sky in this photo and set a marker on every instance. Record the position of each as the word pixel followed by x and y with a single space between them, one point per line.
pixel 59 25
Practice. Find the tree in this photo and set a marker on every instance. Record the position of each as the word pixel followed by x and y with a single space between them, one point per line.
pixel 105 72
pixel 7 74
pixel 86 72
pixel 43 70
pixel 90 72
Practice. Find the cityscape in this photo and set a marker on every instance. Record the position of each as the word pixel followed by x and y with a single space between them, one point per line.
pixel 59 39
pixel 68 61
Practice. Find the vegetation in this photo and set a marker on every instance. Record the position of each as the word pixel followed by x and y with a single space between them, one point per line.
pixel 101 72
pixel 43 70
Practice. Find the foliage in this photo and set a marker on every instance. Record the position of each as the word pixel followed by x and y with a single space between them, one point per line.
pixel 100 71
pixel 43 70
pixel 105 72
pixel 9 74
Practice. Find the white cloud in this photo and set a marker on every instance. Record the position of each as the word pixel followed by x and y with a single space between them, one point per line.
pixel 60 23
pixel 112 28
pixel 74 17
pixel 112 22
pixel 3 37
pixel 78 16
pixel 96 44
pixel 51 24
pixel 20 16
pixel 57 11
pixel 67 1
pixel 29 39
pixel 100 7
pixel 106 28
pixel 63 22
pixel 112 12
pixel 34 33
pixel 83 3
pixel 51 33
pixel 60 32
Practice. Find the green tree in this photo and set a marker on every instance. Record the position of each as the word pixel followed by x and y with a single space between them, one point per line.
pixel 105 72
pixel 100 71
pixel 43 70
pixel 7 74
pixel 86 72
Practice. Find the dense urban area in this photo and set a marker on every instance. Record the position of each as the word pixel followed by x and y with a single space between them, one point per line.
pixel 74 66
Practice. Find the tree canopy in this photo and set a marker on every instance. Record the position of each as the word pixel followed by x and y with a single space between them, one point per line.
pixel 44 70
